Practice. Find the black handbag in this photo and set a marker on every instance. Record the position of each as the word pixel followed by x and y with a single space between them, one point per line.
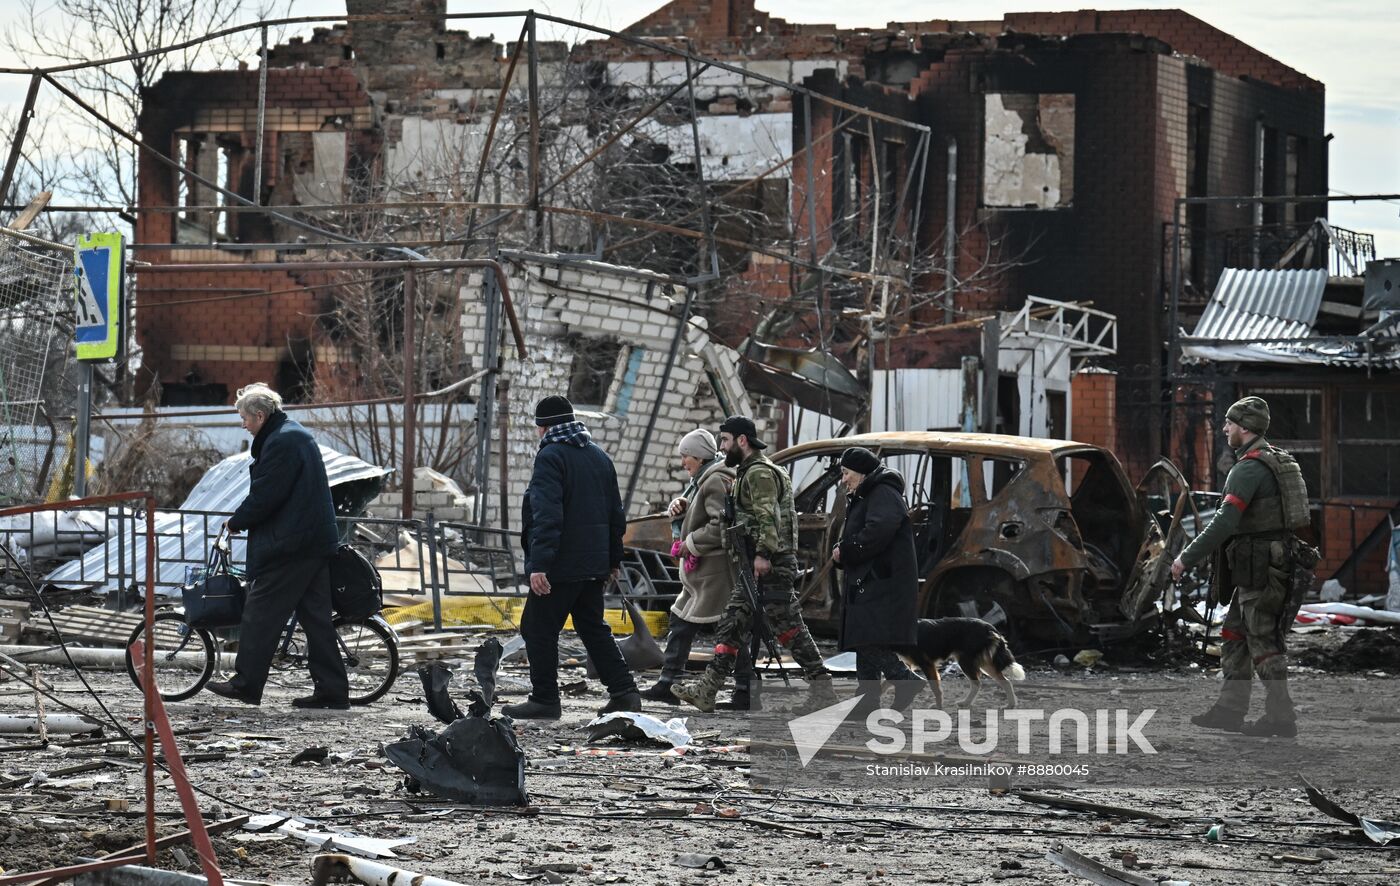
pixel 357 591
pixel 215 600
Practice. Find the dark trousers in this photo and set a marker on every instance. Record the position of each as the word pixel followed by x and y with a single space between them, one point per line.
pixel 874 662
pixel 302 586
pixel 541 623
pixel 679 641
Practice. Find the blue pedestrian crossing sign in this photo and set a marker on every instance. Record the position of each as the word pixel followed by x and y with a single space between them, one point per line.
pixel 99 292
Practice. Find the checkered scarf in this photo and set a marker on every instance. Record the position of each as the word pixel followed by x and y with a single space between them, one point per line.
pixel 574 433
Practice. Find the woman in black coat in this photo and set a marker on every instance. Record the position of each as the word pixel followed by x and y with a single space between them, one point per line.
pixel 880 611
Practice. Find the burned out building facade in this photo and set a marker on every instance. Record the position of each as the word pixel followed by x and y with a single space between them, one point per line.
pixel 928 174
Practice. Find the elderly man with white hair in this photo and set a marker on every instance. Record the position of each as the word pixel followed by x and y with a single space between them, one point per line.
pixel 290 520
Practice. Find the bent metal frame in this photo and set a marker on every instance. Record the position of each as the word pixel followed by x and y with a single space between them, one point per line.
pixel 155 721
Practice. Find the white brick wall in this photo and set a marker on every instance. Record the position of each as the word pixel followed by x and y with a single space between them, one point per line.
pixel 609 303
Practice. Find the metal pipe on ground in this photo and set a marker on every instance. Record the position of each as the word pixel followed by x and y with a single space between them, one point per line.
pixel 334 866
pixel 101 659
pixel 28 724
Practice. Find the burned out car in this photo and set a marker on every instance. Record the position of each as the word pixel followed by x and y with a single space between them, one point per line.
pixel 1047 539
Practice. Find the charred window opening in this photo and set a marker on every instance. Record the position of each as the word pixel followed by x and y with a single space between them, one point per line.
pixel 594 367
pixel 1368 451
pixel 213 158
pixel 295 372
pixel 1028 151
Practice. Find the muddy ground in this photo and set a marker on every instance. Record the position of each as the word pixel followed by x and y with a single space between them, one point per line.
pixel 626 817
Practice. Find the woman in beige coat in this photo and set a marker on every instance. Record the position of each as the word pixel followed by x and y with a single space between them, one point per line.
pixel 706 579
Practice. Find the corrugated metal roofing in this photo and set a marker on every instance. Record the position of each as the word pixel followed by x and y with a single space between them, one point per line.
pixel 1254 304
pixel 1280 306
pixel 182 540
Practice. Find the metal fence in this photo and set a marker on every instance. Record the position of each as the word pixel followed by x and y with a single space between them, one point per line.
pixel 441 565
pixel 35 283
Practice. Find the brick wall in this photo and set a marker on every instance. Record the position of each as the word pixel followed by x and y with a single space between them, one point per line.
pixel 186 324
pixel 1345 524
pixel 605 303
pixel 1131 104
pixel 1094 408
pixel 1187 35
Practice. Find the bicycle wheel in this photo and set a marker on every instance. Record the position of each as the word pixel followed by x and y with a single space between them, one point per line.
pixel 371 654
pixel 183 656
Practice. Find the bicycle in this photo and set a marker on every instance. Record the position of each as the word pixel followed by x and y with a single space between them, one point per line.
pixel 186 657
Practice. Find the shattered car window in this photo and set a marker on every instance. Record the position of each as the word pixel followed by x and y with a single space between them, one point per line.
pixel 816 482
pixel 998 472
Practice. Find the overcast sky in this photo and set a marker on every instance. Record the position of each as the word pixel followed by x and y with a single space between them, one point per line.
pixel 1350 45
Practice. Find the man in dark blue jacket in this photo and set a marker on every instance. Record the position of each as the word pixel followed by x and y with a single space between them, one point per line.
pixel 291 536
pixel 571 529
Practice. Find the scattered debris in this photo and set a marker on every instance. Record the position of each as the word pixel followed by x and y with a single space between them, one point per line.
pixel 633 726
pixel 475 759
pixel 1093 871
pixel 1079 804
pixel 313 754
pixel 1364 651
pixel 701 861
pixel 1365 613
pixel 325 868
pixel 1087 658
pixel 1376 830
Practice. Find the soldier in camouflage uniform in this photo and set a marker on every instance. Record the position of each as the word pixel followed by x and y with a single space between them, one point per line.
pixel 763 503
pixel 1263 501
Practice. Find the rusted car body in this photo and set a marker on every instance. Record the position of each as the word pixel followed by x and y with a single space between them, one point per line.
pixel 1045 538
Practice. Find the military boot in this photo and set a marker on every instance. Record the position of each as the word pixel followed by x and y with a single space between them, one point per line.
pixel 659 691
pixel 701 693
pixel 1279 718
pixel 1220 718
pixel 820 693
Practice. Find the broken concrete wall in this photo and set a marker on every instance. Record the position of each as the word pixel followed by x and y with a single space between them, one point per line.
pixel 573 311
pixel 1028 151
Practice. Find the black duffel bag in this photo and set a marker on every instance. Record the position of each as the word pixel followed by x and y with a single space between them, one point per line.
pixel 215 600
pixel 357 592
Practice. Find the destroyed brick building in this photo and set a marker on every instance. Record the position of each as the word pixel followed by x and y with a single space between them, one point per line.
pixel 1065 137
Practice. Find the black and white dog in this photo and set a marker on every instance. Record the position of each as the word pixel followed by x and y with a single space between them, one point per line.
pixel 974 644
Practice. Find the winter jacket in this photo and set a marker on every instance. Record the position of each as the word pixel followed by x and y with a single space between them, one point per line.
pixel 705 592
pixel 880 605
pixel 571 520
pixel 288 512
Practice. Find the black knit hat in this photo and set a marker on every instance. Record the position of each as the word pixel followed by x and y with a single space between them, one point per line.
pixel 553 411
pixel 860 460
pixel 742 426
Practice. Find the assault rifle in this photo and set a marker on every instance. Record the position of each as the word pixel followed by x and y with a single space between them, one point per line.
pixel 741 551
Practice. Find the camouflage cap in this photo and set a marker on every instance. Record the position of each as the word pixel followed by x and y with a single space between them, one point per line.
pixel 1250 413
